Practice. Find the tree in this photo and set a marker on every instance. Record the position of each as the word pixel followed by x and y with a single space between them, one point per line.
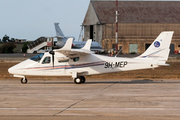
pixel 0 40
pixel 5 39
pixel 7 48
pixel 25 47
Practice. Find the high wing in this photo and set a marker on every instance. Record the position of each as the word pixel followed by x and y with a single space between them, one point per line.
pixel 71 53
pixel 67 51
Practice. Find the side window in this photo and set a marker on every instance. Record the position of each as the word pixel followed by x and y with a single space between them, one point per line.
pixel 61 61
pixel 46 60
pixel 76 59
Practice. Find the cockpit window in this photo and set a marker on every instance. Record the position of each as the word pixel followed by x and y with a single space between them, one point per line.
pixel 46 60
pixel 37 58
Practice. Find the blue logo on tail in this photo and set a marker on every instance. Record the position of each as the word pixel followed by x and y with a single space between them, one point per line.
pixel 157 44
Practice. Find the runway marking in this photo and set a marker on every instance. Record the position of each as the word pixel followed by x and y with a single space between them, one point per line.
pixel 69 107
pixel 94 93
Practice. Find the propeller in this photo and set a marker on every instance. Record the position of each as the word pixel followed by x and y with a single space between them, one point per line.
pixel 52 53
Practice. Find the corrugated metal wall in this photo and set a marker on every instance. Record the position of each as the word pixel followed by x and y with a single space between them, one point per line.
pixel 140 29
pixel 138 33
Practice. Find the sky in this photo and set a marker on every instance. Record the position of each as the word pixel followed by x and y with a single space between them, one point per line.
pixel 31 19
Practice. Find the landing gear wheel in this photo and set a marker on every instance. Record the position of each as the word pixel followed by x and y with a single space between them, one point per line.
pixel 23 80
pixel 83 79
pixel 78 80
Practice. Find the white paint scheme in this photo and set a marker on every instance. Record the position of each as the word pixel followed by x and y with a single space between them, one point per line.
pixel 90 64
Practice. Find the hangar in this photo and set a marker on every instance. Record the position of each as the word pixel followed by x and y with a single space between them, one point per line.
pixel 139 23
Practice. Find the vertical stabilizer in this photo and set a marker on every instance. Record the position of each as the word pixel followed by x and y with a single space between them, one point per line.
pixel 59 32
pixel 159 49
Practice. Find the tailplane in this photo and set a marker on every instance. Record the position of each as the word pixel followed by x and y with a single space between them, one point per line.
pixel 159 49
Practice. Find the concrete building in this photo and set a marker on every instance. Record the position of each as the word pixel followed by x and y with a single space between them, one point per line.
pixel 140 22
pixel 20 40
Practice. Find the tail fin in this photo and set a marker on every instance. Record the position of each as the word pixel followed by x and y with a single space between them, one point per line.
pixel 159 49
pixel 59 32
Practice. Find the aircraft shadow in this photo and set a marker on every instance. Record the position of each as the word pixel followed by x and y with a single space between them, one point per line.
pixel 50 82
pixel 123 82
pixel 145 81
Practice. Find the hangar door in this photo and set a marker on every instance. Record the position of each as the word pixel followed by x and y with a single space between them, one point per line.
pixel 147 46
pixel 133 48
pixel 172 49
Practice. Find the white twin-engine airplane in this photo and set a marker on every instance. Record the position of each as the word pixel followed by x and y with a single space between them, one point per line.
pixel 78 63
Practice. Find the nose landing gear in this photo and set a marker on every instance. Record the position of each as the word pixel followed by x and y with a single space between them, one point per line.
pixel 79 80
pixel 24 80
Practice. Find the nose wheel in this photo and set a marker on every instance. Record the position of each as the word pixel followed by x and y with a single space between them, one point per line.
pixel 79 80
pixel 23 80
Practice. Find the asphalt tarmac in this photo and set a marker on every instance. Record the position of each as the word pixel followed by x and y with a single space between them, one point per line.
pixel 96 99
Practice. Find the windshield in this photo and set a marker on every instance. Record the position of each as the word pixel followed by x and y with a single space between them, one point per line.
pixel 37 58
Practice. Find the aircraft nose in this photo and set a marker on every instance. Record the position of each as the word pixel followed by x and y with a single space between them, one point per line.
pixel 11 70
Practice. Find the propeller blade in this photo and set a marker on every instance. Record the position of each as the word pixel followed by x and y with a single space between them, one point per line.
pixel 52 53
pixel 53 60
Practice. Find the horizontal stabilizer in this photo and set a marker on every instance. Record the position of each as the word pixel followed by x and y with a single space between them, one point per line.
pixel 163 64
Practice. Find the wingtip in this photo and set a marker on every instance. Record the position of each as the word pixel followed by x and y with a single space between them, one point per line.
pixel 87 46
pixel 68 44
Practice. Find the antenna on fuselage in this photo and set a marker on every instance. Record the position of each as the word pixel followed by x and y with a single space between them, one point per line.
pixel 118 53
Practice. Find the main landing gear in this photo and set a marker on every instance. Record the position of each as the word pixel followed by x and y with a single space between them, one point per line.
pixel 24 80
pixel 79 80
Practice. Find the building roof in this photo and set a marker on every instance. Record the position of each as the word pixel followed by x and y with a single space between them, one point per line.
pixel 137 11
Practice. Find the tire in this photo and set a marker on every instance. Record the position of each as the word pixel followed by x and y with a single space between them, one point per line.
pixel 78 80
pixel 83 79
pixel 23 81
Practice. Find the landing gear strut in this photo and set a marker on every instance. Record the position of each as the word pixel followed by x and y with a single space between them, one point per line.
pixel 23 80
pixel 79 80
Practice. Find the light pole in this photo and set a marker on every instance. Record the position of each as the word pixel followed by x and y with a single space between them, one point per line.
pixel 116 25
